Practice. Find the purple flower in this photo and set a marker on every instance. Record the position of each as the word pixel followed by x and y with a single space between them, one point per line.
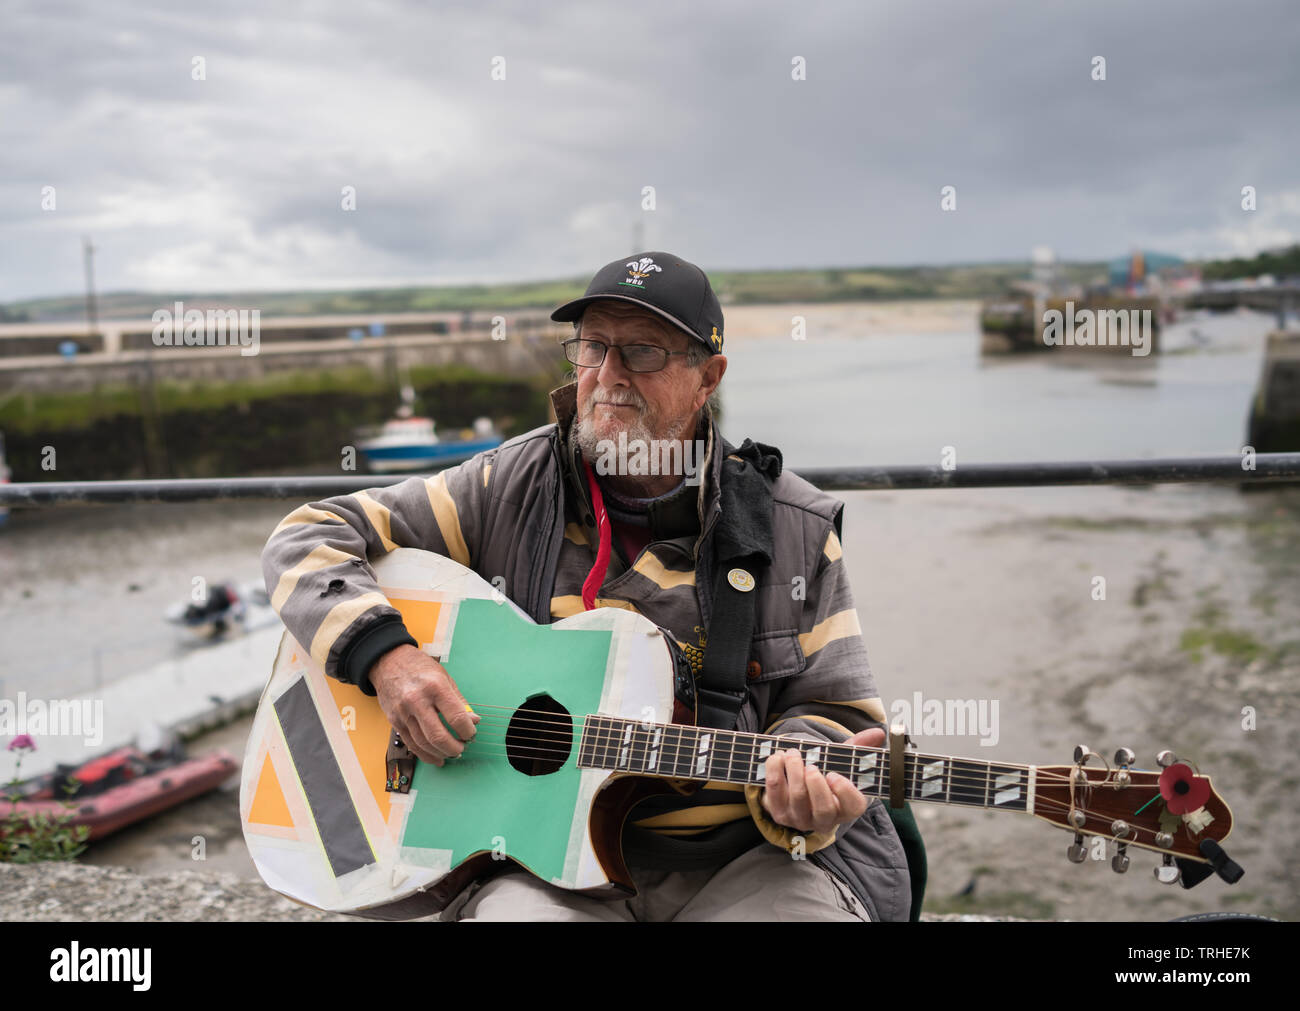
pixel 23 742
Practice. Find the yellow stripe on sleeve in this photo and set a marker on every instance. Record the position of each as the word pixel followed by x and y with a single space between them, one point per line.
pixel 571 604
pixel 445 512
pixel 339 618
pixel 833 551
pixel 321 557
pixel 306 514
pixel 380 518
pixel 666 579
pixel 872 707
pixel 837 626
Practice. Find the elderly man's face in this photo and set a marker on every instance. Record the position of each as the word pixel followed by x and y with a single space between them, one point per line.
pixel 645 405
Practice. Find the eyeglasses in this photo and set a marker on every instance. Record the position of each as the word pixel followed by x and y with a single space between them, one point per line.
pixel 636 357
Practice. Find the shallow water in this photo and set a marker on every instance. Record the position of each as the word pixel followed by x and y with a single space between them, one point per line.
pixel 82 591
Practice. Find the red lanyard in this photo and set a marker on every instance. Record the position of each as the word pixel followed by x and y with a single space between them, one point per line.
pixel 596 577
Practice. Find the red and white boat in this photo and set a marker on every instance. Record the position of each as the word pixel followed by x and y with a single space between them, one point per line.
pixel 121 788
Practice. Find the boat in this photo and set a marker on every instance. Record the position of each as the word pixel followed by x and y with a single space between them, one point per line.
pixel 410 442
pixel 227 607
pixel 119 788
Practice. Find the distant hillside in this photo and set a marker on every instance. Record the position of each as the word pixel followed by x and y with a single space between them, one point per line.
pixel 964 281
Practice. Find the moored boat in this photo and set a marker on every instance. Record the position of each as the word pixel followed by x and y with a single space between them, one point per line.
pixel 119 789
pixel 412 443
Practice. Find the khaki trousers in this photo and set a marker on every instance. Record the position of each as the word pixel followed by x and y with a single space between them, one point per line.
pixel 764 884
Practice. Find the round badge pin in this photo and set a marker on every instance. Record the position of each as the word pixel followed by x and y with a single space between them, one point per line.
pixel 740 580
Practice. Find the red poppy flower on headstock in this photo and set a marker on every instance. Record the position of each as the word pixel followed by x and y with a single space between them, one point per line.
pixel 1183 791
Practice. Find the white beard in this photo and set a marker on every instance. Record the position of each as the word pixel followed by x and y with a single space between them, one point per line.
pixel 588 439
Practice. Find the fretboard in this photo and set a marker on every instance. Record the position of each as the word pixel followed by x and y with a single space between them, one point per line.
pixel 675 751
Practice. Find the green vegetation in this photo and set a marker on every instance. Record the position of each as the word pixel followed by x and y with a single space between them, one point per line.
pixel 1285 263
pixel 1021 904
pixel 32 838
pixel 968 281
pixel 31 412
pixel 284 421
pixel 1240 646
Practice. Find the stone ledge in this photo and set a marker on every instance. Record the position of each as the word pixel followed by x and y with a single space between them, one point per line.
pixel 72 892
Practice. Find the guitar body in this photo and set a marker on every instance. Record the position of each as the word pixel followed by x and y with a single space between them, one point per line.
pixel 323 829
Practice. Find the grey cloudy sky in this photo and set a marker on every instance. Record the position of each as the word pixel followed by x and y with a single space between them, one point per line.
pixel 235 181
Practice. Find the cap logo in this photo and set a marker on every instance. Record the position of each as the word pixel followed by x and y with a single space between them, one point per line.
pixel 716 338
pixel 637 269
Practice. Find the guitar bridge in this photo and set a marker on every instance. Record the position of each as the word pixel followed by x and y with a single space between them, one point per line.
pixel 399 766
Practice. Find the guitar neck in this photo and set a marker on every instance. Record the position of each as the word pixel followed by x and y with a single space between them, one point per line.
pixel 674 751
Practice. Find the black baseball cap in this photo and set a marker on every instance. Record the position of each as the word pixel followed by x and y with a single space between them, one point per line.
pixel 666 285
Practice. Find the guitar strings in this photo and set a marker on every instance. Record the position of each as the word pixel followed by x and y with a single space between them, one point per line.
pixel 554 732
pixel 552 720
pixel 546 748
pixel 555 726
pixel 543 746
pixel 1046 803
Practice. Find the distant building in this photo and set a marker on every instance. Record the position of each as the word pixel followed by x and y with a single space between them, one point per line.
pixel 1135 273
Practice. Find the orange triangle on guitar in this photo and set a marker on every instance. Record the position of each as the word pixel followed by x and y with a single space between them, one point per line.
pixel 419 616
pixel 269 806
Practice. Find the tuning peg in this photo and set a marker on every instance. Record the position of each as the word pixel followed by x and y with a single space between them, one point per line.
pixel 1120 861
pixel 1124 757
pixel 1168 872
pixel 1164 840
pixel 1226 868
pixel 1077 853
pixel 1166 759
pixel 1081 753
pixel 1076 818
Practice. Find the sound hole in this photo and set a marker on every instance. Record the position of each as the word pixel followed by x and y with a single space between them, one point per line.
pixel 540 736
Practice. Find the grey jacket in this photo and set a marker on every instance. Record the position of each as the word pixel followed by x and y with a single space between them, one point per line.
pixel 503 513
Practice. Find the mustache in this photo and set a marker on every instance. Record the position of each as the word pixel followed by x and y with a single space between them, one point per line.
pixel 623 398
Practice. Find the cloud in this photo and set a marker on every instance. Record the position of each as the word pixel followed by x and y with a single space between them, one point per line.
pixel 236 180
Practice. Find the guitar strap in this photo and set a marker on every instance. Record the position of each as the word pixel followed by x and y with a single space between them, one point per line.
pixel 743 551
pixel 742 547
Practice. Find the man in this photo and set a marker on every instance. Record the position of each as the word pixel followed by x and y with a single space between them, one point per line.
pixel 568 521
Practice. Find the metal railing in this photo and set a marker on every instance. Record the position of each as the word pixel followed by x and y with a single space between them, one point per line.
pixel 1264 468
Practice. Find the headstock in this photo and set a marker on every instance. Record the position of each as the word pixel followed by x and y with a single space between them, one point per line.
pixel 1174 812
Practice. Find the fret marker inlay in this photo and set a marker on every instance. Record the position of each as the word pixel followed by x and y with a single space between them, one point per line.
pixel 866 777
pixel 702 762
pixel 932 774
pixel 627 737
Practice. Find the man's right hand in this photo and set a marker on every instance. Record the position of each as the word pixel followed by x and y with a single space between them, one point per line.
pixel 413 688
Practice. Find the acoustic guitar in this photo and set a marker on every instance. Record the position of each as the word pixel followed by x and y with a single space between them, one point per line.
pixel 574 732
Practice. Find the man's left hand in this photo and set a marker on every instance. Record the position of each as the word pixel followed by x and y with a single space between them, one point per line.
pixel 800 797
